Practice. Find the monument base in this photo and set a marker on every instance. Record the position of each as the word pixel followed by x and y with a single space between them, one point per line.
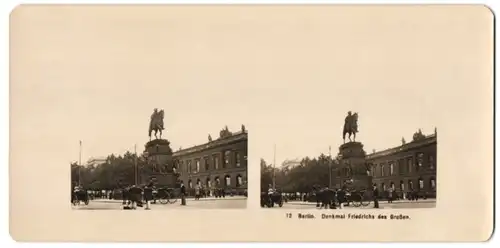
pixel 160 164
pixel 354 158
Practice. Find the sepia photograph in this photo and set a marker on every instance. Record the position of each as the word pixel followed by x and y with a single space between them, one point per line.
pixel 402 176
pixel 212 174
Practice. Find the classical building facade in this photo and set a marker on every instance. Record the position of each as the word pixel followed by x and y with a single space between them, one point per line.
pixel 219 163
pixel 409 167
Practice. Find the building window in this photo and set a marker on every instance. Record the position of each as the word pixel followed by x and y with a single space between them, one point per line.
pixel 198 182
pixel 215 158
pixel 433 183
pixel 410 185
pixel 420 160
pixel 197 166
pixel 227 156
pixel 391 168
pixel 382 171
pixel 410 165
pixel 401 166
pixel 431 162
pixel 237 158
pixel 402 185
pixel 182 168
pixel 228 180
pixel 190 169
pixel 239 181
pixel 190 183
pixel 209 183
pixel 420 183
pixel 392 186
pixel 206 163
pixel 374 172
pixel 217 181
pixel 383 187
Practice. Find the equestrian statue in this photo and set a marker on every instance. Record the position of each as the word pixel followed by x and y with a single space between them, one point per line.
pixel 156 123
pixel 350 126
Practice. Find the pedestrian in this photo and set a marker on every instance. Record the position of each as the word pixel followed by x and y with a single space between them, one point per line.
pixel 341 198
pixel 375 196
pixel 183 194
pixel 197 192
pixel 148 195
pixel 390 194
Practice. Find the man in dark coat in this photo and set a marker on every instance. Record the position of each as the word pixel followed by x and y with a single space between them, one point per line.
pixel 135 196
pixel 148 195
pixel 183 194
pixel 375 196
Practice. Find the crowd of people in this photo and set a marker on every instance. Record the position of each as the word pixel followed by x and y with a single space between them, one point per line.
pixel 344 196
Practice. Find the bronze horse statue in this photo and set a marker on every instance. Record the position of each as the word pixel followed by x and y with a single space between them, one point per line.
pixel 156 124
pixel 350 126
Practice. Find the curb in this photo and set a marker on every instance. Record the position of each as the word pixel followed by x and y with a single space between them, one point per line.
pixel 380 202
pixel 178 199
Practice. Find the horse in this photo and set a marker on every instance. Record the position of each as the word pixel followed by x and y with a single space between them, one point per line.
pixel 351 127
pixel 267 200
pixel 156 124
pixel 325 198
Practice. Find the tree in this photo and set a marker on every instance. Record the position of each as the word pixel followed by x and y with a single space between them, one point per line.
pixel 115 172
pixel 266 176
pixel 300 178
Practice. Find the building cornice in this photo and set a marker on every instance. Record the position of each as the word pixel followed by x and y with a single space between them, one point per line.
pixel 430 139
pixel 239 136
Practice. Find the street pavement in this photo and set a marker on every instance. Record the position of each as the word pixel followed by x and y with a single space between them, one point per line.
pixel 204 203
pixel 429 203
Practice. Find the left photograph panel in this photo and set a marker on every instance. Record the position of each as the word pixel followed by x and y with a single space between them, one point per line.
pixel 154 176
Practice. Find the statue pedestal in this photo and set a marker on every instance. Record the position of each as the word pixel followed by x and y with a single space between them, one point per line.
pixel 353 157
pixel 160 164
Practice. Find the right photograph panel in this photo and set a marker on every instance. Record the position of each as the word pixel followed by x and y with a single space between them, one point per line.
pixel 353 174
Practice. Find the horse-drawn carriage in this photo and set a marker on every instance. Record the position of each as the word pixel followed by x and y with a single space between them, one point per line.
pixel 268 200
pixel 166 195
pixel 80 195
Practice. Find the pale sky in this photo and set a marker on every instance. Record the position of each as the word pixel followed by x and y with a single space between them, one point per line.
pixel 96 76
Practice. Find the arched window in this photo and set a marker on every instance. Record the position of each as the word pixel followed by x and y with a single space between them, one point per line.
pixel 402 185
pixel 432 183
pixel 410 184
pixel 228 180
pixel 391 168
pixel 382 173
pixel 209 183
pixel 392 186
pixel 239 180
pixel 197 166
pixel 198 182
pixel 410 165
pixel 217 181
pixel 190 183
pixel 420 183
pixel 374 170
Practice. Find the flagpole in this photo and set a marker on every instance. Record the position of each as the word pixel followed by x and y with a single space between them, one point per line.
pixel 274 168
pixel 135 165
pixel 80 165
pixel 330 166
